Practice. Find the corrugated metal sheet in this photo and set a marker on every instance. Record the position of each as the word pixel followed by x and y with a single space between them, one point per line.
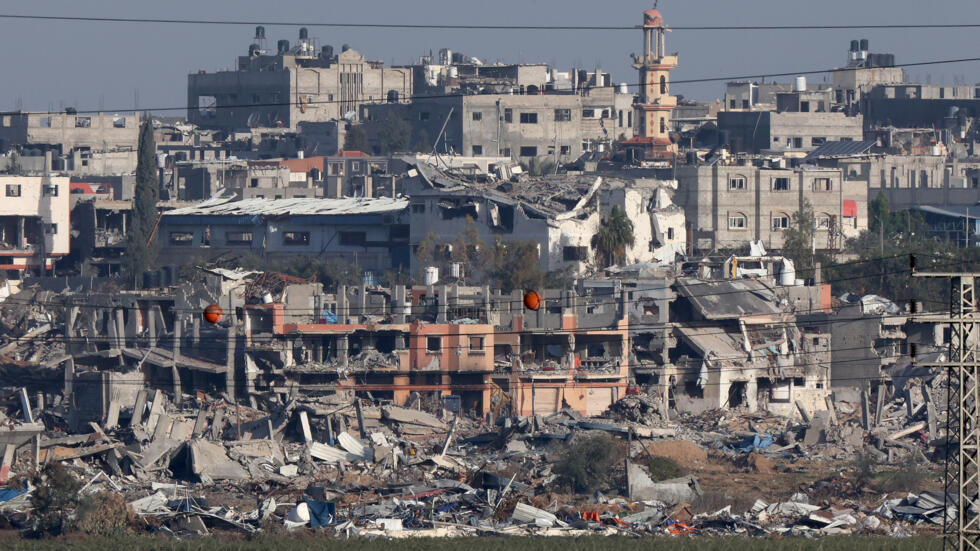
pixel 330 453
pixel 227 206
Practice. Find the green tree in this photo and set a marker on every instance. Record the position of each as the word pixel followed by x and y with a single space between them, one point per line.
pixel 141 243
pixel 468 247
pixel 614 236
pixel 513 265
pixel 356 139
pixel 394 135
pixel 798 240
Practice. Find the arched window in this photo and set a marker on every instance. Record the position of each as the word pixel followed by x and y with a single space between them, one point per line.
pixel 663 84
pixel 780 221
pixel 737 221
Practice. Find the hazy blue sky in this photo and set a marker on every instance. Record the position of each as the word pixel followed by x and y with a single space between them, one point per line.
pixel 100 65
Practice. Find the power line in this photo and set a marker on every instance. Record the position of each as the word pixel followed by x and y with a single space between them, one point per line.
pixel 419 98
pixel 466 26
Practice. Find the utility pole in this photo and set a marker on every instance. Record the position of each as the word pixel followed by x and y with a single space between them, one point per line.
pixel 962 440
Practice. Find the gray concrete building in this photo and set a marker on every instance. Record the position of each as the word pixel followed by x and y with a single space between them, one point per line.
pixel 757 131
pixel 368 232
pixel 727 206
pixel 302 83
pixel 557 126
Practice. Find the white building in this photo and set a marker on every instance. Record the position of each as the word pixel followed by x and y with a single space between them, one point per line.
pixel 34 222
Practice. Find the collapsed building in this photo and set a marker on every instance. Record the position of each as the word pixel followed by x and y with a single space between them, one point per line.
pixel 561 214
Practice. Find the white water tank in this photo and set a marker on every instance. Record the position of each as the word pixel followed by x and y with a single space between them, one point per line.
pixel 801 84
pixel 456 270
pixel 787 275
pixel 624 88
pixel 431 275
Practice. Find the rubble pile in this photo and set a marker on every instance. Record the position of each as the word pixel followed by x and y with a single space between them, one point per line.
pixel 199 464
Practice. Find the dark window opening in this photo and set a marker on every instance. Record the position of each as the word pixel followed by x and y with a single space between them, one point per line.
pixel 780 184
pixel 181 238
pixel 564 115
pixel 433 344
pixel 476 344
pixel 508 115
pixel 238 238
pixel 296 238
pixel 575 254
pixel 529 151
pixel 353 238
pixel 529 118
pixel 477 116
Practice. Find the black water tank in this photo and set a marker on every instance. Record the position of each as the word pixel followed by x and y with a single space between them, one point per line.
pixel 692 157
pixel 344 48
pixel 326 52
pixel 259 32
pixel 283 46
pixel 864 44
pixel 253 50
pixel 151 279
pixel 854 45
pixel 303 33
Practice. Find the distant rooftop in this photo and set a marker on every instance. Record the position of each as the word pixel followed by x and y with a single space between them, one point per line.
pixel 228 206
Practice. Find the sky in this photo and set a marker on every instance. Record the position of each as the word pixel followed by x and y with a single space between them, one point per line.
pixel 101 65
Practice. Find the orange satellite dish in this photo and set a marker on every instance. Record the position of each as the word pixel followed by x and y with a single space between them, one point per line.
pixel 212 313
pixel 532 300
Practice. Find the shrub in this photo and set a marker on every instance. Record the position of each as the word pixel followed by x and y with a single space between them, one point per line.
pixel 55 500
pixel 663 468
pixel 587 464
pixel 104 513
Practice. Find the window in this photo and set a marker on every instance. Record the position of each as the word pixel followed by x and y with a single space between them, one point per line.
pixel 629 119
pixel 477 116
pixel 418 208
pixel 477 150
pixel 51 229
pixel 663 84
pixel 736 183
pixel 670 233
pixel 737 222
pixel 663 124
pixel 476 344
pixel 818 140
pixel 238 238
pixel 588 113
pixel 296 238
pixel 529 118
pixel 797 142
pixel 942 93
pixel 823 222
pixel 574 254
pixel 780 184
pixel 181 238
pixel 423 115
pixel 13 190
pixel 45 122
pixel 775 139
pixel 335 169
pixel 745 104
pixel 433 344
pixel 780 222
pixel 353 238
pixel 254 182
pixel 564 115
pixel 804 107
pixel 565 150
pixel 119 122
pixel 505 152
pixel 508 115
pixel 822 184
pixel 50 190
pixel 731 104
pixel 355 166
pixel 620 117
pixel 529 151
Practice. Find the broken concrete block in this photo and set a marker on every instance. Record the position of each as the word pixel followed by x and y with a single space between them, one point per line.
pixel 413 417
pixel 675 490
pixel 211 461
pixel 289 470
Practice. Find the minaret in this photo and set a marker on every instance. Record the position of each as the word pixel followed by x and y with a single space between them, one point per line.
pixel 656 103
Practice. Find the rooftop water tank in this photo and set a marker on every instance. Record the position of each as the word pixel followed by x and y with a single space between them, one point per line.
pixel 801 84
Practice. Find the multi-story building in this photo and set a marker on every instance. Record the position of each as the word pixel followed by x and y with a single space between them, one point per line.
pixel 34 219
pixel 367 232
pixel 293 85
pixel 727 206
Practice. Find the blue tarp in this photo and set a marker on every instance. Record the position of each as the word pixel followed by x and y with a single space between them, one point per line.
pixel 755 442
pixel 328 317
pixel 6 494
pixel 321 512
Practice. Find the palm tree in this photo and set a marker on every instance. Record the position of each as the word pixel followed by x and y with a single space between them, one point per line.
pixel 614 236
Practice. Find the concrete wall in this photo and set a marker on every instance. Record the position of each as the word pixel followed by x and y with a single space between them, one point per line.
pixel 43 199
pixel 709 203
pixel 759 130
pixel 98 132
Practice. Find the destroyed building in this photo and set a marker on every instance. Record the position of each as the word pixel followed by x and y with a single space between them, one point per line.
pixel 34 222
pixel 560 213
pixel 740 346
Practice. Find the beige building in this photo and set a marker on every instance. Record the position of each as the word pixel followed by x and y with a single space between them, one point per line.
pixel 727 206
pixel 34 222
pixel 293 85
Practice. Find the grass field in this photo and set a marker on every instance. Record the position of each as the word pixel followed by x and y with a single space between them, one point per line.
pixel 591 543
